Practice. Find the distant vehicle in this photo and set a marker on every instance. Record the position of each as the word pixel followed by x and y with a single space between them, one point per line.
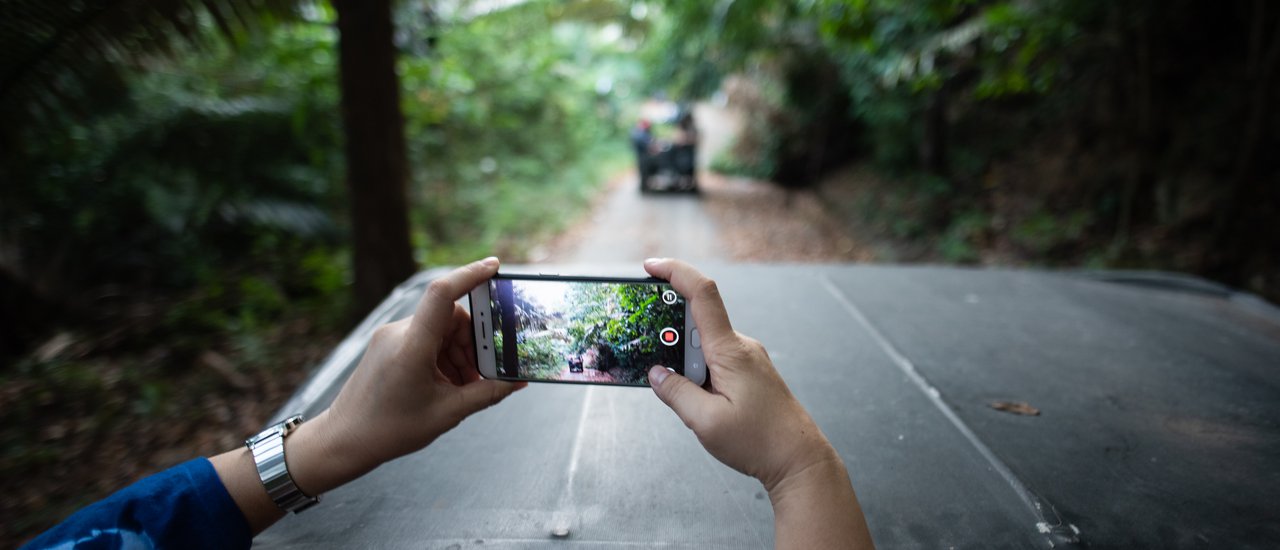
pixel 671 161
pixel 673 168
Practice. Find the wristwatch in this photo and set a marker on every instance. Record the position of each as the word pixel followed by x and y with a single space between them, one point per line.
pixel 268 454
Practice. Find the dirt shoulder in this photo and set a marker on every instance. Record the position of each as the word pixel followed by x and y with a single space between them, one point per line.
pixel 79 423
pixel 762 222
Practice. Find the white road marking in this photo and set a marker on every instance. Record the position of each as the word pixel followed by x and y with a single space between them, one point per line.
pixel 1047 520
pixel 566 510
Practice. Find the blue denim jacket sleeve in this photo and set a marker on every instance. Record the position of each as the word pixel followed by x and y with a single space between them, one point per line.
pixel 185 506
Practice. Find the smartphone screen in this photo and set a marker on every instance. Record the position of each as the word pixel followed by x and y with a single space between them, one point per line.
pixel 586 331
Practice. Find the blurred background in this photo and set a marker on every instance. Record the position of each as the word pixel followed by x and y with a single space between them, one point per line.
pixel 198 198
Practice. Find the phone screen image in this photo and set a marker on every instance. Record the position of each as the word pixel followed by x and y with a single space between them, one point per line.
pixel 578 331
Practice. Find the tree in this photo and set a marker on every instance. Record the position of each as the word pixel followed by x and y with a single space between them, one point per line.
pixel 68 58
pixel 377 168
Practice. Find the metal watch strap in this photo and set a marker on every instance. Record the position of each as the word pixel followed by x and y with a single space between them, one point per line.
pixel 268 454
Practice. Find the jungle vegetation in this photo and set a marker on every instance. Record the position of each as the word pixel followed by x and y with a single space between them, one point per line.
pixel 197 197
pixel 1026 132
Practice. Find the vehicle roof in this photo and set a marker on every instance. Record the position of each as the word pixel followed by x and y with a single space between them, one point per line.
pixel 1159 422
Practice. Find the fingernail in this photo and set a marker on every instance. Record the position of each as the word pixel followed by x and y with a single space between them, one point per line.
pixel 491 261
pixel 657 374
pixel 652 261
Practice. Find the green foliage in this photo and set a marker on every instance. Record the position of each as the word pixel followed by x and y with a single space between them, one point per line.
pixel 1113 108
pixel 507 134
pixel 893 60
pixel 1043 231
pixel 226 161
pixel 962 239
pixel 73 56
pixel 732 162
pixel 623 322
pixel 540 357
pixel 161 190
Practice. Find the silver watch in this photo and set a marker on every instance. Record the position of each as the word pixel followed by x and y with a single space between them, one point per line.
pixel 268 454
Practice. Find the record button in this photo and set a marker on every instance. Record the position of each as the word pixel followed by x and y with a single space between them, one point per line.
pixel 669 336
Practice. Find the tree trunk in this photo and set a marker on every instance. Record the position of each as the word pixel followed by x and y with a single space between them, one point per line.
pixel 377 165
pixel 933 143
pixel 510 323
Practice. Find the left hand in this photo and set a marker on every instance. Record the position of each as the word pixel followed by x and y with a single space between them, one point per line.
pixel 418 378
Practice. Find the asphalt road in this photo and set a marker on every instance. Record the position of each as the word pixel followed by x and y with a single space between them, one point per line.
pixel 1157 425
pixel 629 226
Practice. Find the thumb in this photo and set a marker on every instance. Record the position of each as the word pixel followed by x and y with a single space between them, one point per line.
pixel 482 394
pixel 683 396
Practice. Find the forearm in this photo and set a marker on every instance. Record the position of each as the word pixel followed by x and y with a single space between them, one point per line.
pixel 316 461
pixel 816 508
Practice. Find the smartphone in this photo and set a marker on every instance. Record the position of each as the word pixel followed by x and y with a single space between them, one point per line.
pixel 585 330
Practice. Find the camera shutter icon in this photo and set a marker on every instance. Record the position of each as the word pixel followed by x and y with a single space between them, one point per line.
pixel 669 336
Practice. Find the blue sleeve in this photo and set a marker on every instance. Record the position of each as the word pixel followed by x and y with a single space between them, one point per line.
pixel 185 506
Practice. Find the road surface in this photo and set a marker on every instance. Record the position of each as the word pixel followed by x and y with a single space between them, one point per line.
pixel 629 226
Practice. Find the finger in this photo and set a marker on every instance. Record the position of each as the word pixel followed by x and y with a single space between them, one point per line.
pixel 704 299
pixel 447 359
pixel 463 361
pixel 431 321
pixel 482 394
pixel 689 402
pixel 464 346
pixel 457 354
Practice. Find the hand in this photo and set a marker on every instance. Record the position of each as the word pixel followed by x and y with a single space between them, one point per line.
pixel 749 420
pixel 418 378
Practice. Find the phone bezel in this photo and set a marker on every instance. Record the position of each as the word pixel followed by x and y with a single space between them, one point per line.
pixel 695 366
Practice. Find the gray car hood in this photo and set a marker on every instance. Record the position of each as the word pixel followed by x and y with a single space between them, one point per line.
pixel 1159 423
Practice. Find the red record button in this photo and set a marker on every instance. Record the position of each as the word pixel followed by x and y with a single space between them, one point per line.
pixel 669 336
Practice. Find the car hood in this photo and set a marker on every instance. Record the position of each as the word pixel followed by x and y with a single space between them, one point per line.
pixel 1157 396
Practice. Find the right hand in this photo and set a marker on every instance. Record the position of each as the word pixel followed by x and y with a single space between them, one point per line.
pixel 749 420
pixel 417 379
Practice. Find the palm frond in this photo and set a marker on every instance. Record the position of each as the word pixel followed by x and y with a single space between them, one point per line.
pixel 66 56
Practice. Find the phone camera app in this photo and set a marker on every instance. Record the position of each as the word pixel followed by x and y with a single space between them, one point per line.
pixel 593 332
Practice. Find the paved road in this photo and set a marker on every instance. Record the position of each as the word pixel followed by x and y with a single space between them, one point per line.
pixel 630 226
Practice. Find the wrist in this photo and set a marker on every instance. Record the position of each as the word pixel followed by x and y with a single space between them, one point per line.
pixel 322 457
pixel 812 462
pixel 822 474
pixel 814 506
pixel 800 446
pixel 315 457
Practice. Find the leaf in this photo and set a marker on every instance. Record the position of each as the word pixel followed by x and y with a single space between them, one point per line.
pixel 1015 407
